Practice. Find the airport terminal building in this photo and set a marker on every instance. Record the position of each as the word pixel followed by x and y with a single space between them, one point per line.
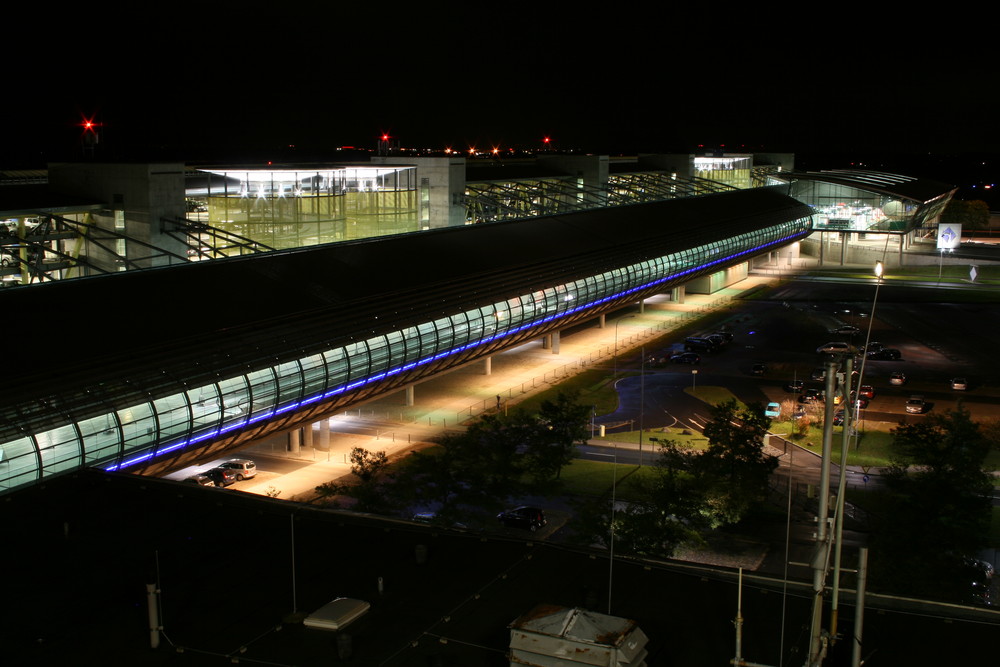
pixel 263 300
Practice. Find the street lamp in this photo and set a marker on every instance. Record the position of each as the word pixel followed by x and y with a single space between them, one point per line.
pixel 694 380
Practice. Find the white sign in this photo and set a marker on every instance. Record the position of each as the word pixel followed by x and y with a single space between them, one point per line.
pixel 949 236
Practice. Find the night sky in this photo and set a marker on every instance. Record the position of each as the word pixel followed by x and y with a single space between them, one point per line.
pixel 294 83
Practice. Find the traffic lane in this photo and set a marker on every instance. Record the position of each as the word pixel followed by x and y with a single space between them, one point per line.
pixel 660 398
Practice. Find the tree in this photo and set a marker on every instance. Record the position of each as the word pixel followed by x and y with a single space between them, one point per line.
pixel 664 514
pixel 561 426
pixel 972 214
pixel 370 494
pixel 937 502
pixel 367 465
pixel 735 469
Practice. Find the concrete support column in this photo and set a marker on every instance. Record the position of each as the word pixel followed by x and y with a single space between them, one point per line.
pixel 601 321
pixel 546 341
pixel 409 395
pixel 677 294
pixel 555 342
pixel 294 440
pixel 324 435
pixel 642 306
pixel 488 366
pixel 307 435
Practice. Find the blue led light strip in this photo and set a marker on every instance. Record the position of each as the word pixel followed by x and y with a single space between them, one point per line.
pixel 441 355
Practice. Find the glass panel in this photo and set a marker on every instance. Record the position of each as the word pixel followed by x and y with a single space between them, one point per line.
pixel 60 449
pixel 20 463
pixel 174 416
pixel 138 426
pixel 100 438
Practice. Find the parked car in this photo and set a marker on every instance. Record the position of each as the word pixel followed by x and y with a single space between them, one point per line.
pixel 221 476
pixel 811 396
pixel 873 346
pixel 915 405
pixel 531 518
pixel 846 330
pixel 695 344
pixel 867 391
pixel 835 347
pixel 897 379
pixel 959 384
pixel 794 386
pixel 773 410
pixel 758 369
pixel 818 374
pixel 885 354
pixel 244 468
pixel 838 418
pixel 200 480
pixel 685 358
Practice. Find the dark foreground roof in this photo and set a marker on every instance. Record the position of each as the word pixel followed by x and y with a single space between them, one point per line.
pixel 75 588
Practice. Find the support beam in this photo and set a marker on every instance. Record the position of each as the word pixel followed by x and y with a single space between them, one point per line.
pixel 555 342
pixel 546 341
pixel 294 440
pixel 677 294
pixel 307 435
pixel 642 306
pixel 409 395
pixel 324 435
pixel 601 321
pixel 488 366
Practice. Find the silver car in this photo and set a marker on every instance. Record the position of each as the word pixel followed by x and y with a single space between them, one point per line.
pixel 244 468
pixel 916 405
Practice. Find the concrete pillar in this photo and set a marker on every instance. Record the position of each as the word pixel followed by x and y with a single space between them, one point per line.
pixel 324 435
pixel 555 342
pixel 488 366
pixel 307 435
pixel 642 306
pixel 601 321
pixel 409 395
pixel 677 294
pixel 546 341
pixel 294 439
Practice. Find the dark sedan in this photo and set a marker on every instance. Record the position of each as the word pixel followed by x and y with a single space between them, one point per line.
pixel 531 518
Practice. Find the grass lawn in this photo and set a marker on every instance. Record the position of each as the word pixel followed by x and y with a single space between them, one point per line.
pixel 593 387
pixel 594 479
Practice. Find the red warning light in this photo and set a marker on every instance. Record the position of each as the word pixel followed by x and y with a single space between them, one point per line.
pixel 546 140
pixel 89 125
pixel 385 137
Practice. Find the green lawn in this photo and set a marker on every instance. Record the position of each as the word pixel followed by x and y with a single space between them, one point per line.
pixel 594 479
pixel 592 386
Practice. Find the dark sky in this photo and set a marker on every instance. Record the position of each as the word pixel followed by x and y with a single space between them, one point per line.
pixel 240 84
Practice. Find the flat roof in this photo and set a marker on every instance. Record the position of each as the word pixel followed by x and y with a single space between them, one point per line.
pixel 216 315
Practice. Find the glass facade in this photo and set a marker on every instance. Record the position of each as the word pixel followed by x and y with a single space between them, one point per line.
pixel 731 170
pixel 118 427
pixel 844 207
pixel 295 208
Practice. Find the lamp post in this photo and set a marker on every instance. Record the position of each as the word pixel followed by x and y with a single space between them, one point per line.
pixel 694 380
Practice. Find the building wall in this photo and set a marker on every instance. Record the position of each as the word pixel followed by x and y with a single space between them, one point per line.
pixel 144 195
pixel 440 187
